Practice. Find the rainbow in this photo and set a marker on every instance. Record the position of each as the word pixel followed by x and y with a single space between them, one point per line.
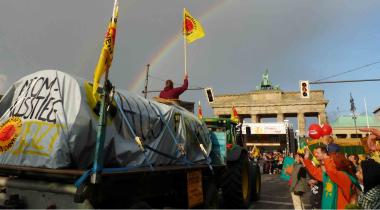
pixel 169 46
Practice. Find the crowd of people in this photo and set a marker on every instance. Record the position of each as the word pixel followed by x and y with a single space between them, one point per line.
pixel 270 162
pixel 337 180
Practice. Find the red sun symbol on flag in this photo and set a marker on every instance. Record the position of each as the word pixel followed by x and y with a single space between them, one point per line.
pixel 7 132
pixel 189 25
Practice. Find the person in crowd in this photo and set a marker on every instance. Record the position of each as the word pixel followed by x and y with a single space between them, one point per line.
pixel 337 175
pixel 373 142
pixel 170 92
pixel 354 160
pixel 330 145
pixel 368 174
pixel 298 184
pixel 275 162
pixel 316 189
pixel 271 163
pixel 280 162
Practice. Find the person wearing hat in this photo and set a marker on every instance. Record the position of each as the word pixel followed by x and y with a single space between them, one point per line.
pixel 368 174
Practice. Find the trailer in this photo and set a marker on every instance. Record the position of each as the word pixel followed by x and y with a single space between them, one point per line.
pixel 141 154
pixel 233 182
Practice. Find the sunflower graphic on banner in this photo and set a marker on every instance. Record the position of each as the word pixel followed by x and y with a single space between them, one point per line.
pixel 9 132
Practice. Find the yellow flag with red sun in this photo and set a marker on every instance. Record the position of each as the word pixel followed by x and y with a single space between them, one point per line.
pixel 192 28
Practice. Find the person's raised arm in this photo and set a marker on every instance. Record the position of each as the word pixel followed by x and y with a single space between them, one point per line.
pixel 315 172
pixel 183 88
pixel 186 77
pixel 338 177
pixel 371 141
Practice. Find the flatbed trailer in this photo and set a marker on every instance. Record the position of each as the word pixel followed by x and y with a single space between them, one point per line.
pixel 130 171
pixel 233 183
pixel 164 186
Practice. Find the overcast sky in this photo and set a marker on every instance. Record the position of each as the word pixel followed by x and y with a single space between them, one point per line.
pixel 295 40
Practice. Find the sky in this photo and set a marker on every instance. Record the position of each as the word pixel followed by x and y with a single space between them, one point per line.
pixel 294 39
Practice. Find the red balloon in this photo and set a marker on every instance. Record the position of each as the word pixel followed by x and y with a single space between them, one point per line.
pixel 326 129
pixel 315 131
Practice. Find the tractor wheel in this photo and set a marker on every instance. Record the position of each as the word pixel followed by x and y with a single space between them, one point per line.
pixel 256 182
pixel 236 184
pixel 212 197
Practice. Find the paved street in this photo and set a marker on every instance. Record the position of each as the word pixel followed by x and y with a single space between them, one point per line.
pixel 275 195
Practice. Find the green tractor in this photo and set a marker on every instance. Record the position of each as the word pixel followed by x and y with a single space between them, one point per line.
pixel 241 182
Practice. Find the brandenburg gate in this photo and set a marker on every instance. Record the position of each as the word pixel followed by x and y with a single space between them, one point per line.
pixel 268 101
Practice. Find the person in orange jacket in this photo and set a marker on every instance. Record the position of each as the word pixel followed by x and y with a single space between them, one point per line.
pixel 337 176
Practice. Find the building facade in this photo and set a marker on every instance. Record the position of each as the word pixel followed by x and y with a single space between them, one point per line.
pixel 377 112
pixel 269 101
pixel 344 126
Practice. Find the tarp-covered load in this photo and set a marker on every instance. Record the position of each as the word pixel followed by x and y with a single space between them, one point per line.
pixel 47 119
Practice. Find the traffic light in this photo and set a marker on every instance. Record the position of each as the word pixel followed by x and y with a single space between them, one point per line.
pixel 210 95
pixel 305 89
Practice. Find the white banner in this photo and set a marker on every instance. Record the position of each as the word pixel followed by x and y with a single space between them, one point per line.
pixel 264 128
pixel 49 119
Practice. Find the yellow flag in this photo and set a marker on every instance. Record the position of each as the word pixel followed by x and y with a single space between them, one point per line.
pixel 234 115
pixel 106 55
pixel 192 28
pixel 200 113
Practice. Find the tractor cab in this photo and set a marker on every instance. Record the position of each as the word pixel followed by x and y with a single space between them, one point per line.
pixel 226 138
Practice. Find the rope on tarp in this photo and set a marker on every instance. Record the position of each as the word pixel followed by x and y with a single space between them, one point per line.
pixel 137 139
pixel 161 153
pixel 204 152
pixel 141 144
pixel 85 176
pixel 182 153
pixel 143 147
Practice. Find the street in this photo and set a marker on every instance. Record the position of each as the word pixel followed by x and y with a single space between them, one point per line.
pixel 275 195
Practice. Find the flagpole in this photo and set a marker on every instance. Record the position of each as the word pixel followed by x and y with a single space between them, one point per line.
pixel 366 112
pixel 184 40
pixel 185 52
pixel 101 129
pixel 115 5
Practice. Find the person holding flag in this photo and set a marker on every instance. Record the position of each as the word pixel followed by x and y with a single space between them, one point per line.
pixel 192 30
pixel 337 175
pixel 170 92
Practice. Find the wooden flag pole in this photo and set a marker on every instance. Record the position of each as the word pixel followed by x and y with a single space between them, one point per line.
pixel 115 8
pixel 184 40
pixel 101 129
pixel 366 113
